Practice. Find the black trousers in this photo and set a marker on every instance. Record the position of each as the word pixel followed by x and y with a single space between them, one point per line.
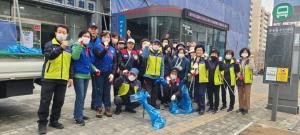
pixel 231 95
pixel 123 100
pixel 213 92
pixel 154 91
pixel 56 90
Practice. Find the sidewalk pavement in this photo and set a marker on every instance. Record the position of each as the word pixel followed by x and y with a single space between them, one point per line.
pixel 18 115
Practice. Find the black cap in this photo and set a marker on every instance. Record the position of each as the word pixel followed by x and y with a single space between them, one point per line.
pixel 180 44
pixel 93 26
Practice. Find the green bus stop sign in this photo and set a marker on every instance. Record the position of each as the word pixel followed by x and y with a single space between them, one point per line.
pixel 283 11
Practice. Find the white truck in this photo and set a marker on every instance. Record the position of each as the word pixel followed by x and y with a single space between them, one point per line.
pixel 17 75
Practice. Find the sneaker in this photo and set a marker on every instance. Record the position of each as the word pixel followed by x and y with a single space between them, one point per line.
pixel 201 112
pixel 130 110
pixel 215 111
pixel 108 112
pixel 56 125
pixel 42 128
pixel 118 111
pixel 85 118
pixel 210 110
pixel 80 122
pixel 99 112
pixel 239 110
pixel 223 107
pixel 244 112
pixel 230 109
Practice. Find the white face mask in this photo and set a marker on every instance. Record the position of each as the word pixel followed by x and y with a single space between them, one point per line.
pixel 228 57
pixel 165 44
pixel 105 39
pixel 114 40
pixel 180 55
pixel 61 37
pixel 173 77
pixel 131 78
pixel 155 47
pixel 244 55
pixel 174 45
pixel 86 40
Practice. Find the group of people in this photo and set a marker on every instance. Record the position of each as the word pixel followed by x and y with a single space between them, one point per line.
pixel 110 60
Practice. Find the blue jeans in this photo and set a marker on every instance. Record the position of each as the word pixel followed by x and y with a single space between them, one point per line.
pixel 93 78
pixel 80 86
pixel 200 90
pixel 102 93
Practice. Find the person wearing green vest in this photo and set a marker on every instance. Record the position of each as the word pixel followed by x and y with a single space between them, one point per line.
pixel 245 79
pixel 231 68
pixel 128 85
pixel 154 58
pixel 199 79
pixel 56 76
pixel 215 80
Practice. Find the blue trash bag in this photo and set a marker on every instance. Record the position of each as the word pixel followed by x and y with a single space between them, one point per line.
pixel 161 81
pixel 157 120
pixel 184 105
pixel 20 49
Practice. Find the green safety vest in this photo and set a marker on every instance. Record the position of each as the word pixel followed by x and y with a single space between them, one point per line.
pixel 123 90
pixel 58 68
pixel 217 76
pixel 233 77
pixel 203 74
pixel 154 64
pixel 248 74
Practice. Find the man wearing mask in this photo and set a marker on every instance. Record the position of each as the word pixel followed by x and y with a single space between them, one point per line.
pixel 229 75
pixel 128 85
pixel 182 64
pixel 95 40
pixel 57 74
pixel 128 57
pixel 106 62
pixel 142 66
pixel 214 77
pixel 120 46
pixel 155 69
pixel 167 51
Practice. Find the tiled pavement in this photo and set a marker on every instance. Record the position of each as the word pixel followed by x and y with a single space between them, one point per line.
pixel 18 115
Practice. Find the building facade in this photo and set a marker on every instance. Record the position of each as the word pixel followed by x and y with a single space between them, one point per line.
pixel 260 20
pixel 221 24
pixel 40 17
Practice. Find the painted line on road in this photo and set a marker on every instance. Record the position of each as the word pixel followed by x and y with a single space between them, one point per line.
pixel 244 128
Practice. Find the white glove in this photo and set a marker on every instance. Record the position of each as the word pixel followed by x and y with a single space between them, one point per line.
pixel 168 80
pixel 125 71
pixel 173 97
pixel 179 68
pixel 193 72
pixel 111 78
pixel 220 59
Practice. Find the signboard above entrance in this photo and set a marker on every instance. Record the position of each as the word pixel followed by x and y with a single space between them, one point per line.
pixel 194 16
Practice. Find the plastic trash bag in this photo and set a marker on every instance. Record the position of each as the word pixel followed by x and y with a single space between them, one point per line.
pixel 184 105
pixel 20 49
pixel 157 120
pixel 161 81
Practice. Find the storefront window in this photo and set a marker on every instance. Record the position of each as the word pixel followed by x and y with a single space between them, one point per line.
pixel 219 40
pixel 154 27
pixel 167 25
pixel 140 28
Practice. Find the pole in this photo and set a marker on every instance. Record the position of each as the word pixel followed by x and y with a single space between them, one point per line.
pixel 275 102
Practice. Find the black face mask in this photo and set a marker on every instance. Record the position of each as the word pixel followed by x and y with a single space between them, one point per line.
pixel 214 58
